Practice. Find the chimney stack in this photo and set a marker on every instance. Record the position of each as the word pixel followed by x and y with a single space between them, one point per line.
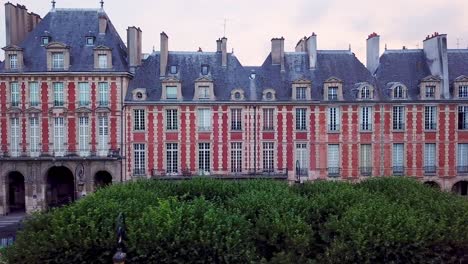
pixel 312 50
pixel 224 52
pixel 373 52
pixel 102 23
pixel 134 38
pixel 164 54
pixel 18 23
pixel 277 52
pixel 435 50
pixel 218 45
pixel 301 45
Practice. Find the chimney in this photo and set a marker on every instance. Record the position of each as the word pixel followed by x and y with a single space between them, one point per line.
pixel 277 52
pixel 218 45
pixel 18 23
pixel 102 23
pixel 312 50
pixel 301 45
pixel 224 52
pixel 164 54
pixel 373 52
pixel 134 47
pixel 435 50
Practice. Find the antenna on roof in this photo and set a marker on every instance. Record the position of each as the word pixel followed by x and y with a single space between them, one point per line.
pixel 225 22
pixel 53 4
pixel 349 47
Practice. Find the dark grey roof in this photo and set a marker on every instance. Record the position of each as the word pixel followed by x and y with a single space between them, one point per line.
pixel 71 26
pixel 340 64
pixel 189 64
pixel 458 63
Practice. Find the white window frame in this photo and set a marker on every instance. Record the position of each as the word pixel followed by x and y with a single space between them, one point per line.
pixel 58 60
pixel 103 135
pixel 170 96
pixel 59 94
pixel 102 61
pixel 139 122
pixel 204 119
pixel 301 93
pixel 463 91
pixel 204 92
pixel 13 60
pixel 204 158
pixel 172 158
pixel 366 117
pixel 103 88
pixel 302 157
pixel 236 119
pixel 332 93
pixel 301 119
pixel 430 117
pixel 398 157
pixel 15 137
pixel 59 136
pixel 14 94
pixel 463 117
pixel 83 90
pixel 268 119
pixel 268 157
pixel 333 119
pixel 333 160
pixel 399 92
pixel 366 93
pixel 140 159
pixel 430 152
pixel 430 91
pixel 34 94
pixel 83 136
pixel 365 161
pixel 236 157
pixel 34 137
pixel 398 117
pixel 172 122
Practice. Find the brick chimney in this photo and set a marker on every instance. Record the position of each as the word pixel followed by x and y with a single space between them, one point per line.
pixel 277 52
pixel 435 50
pixel 218 45
pixel 164 54
pixel 312 50
pixel 373 52
pixel 224 52
pixel 134 38
pixel 102 23
pixel 301 45
pixel 18 23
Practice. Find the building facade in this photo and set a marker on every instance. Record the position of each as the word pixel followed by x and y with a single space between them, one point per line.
pixel 80 109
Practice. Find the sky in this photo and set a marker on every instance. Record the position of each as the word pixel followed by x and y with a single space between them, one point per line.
pixel 251 24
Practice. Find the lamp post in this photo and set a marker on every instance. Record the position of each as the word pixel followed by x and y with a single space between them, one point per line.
pixel 120 256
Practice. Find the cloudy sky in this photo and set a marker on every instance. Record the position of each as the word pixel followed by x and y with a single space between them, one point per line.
pixel 251 24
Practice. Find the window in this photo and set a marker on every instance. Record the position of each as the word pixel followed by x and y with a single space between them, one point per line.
pixel 83 136
pixel 172 158
pixel 462 158
pixel 83 93
pixel 301 93
pixel 430 118
pixel 34 136
pixel 58 94
pixel 103 135
pixel 399 92
pixel 237 96
pixel 236 157
pixel 103 94
pixel 45 40
pixel 463 91
pixel 463 117
pixel 365 93
pixel 236 119
pixel 430 91
pixel 205 69
pixel 139 119
pixel 204 92
pixel 171 92
pixel 366 160
pixel 89 41
pixel 302 159
pixel 268 123
pixel 333 119
pixel 57 61
pixel 102 61
pixel 333 160
pixel 13 58
pixel 429 158
pixel 139 156
pixel 171 119
pixel 398 159
pixel 366 118
pixel 332 93
pixel 139 95
pixel 59 136
pixel 204 119
pixel 301 119
pixel 173 69
pixel 15 137
pixel 268 157
pixel 204 158
pixel 398 117
pixel 14 94
pixel 269 96
pixel 34 94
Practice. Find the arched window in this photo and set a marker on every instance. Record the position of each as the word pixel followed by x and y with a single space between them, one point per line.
pixel 399 92
pixel 365 93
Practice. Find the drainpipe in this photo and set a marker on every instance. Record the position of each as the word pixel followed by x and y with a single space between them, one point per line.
pixel 255 140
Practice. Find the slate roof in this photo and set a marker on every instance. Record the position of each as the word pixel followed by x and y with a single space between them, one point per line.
pixel 409 67
pixel 71 27
pixel 340 64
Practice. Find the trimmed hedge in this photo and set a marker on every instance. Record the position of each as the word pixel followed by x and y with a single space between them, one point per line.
pixel 381 220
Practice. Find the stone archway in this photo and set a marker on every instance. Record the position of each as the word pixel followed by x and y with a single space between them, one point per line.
pixel 16 192
pixel 60 188
pixel 102 179
pixel 432 184
pixel 461 188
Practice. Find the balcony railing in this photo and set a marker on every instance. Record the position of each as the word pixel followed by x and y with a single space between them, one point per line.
pixel 366 127
pixel 462 169
pixel 366 171
pixel 398 170
pixel 58 103
pixel 431 170
pixel 333 127
pixel 39 153
pixel 333 171
pixel 244 173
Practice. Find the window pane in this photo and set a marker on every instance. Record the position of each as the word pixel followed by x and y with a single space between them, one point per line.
pixel 103 94
pixel 204 119
pixel 171 92
pixel 34 93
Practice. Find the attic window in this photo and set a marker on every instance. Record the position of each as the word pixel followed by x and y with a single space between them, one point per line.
pixel 205 69
pixel 139 95
pixel 173 69
pixel 399 92
pixel 365 93
pixel 269 96
pixel 45 40
pixel 90 41
pixel 237 95
pixel 252 75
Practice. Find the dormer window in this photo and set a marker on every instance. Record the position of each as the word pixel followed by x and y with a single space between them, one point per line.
pixel 13 60
pixel 57 61
pixel 204 92
pixel 237 94
pixel 172 89
pixel 399 92
pixel 139 95
pixel 463 91
pixel 365 93
pixel 301 89
pixel 90 41
pixel 102 61
pixel 333 89
pixel 332 93
pixel 205 69
pixel 171 92
pixel 102 57
pixel 269 95
pixel 173 69
pixel 301 93
pixel 429 88
pixel 45 41
pixel 252 75
pixel 430 91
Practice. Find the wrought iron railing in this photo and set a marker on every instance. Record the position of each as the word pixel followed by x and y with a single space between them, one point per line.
pixel 366 171
pixel 398 170
pixel 333 171
pixel 431 170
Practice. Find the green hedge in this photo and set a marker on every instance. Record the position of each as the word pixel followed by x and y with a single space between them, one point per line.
pixel 385 220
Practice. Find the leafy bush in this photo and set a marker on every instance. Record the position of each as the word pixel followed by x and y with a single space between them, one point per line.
pixel 385 220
